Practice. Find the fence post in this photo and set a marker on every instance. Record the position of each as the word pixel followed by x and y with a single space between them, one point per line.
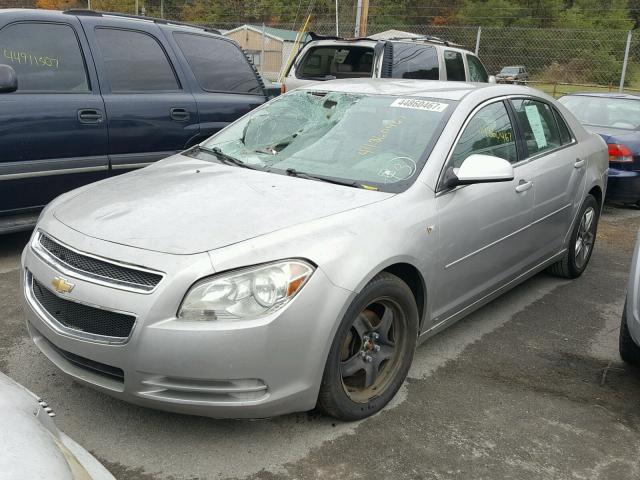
pixel 625 61
pixel 262 59
pixel 478 40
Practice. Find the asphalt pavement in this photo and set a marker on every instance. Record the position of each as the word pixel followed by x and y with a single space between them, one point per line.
pixel 529 387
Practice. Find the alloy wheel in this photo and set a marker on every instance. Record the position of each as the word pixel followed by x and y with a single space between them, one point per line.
pixel 371 351
pixel 585 238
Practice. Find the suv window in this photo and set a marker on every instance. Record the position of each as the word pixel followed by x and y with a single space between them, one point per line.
pixel 565 133
pixel 538 125
pixel 218 65
pixel 455 65
pixel 45 56
pixel 477 72
pixel 135 62
pixel 489 132
pixel 415 61
pixel 338 61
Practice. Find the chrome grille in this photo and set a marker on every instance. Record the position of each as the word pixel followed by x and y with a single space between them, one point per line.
pixel 99 269
pixel 80 317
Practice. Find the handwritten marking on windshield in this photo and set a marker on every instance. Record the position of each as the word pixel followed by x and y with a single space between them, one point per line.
pixel 374 142
pixel 399 168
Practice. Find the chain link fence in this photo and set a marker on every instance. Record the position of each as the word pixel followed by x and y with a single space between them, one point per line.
pixel 557 60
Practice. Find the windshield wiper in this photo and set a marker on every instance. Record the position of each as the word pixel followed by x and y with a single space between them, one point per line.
pixel 225 158
pixel 292 172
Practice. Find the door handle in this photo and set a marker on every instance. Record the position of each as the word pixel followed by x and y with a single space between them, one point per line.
pixel 579 163
pixel 523 186
pixel 89 116
pixel 179 114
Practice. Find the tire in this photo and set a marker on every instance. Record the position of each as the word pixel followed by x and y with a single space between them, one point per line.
pixel 372 351
pixel 629 350
pixel 575 260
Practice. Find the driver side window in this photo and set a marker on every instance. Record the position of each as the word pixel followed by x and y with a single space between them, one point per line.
pixel 488 133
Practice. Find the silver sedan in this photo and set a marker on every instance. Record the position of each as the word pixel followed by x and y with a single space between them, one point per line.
pixel 296 258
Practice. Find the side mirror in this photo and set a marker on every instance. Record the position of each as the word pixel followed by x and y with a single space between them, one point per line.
pixel 8 79
pixel 492 79
pixel 481 169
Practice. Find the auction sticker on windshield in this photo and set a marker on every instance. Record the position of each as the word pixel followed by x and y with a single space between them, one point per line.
pixel 419 104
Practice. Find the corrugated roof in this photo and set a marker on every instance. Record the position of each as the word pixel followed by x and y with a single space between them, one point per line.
pixel 387 34
pixel 281 33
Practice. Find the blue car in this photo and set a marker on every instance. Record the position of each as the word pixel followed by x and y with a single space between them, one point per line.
pixel 616 118
pixel 88 95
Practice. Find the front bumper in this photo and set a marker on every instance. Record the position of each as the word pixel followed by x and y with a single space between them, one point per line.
pixel 623 186
pixel 254 368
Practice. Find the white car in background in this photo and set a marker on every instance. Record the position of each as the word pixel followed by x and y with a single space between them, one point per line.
pixel 418 58
pixel 32 446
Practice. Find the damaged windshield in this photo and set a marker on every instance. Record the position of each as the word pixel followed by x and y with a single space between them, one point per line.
pixel 365 141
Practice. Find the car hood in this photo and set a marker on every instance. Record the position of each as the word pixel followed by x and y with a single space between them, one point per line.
pixel 182 205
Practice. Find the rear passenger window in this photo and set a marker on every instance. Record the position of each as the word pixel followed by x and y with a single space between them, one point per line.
pixel 339 62
pixel 45 56
pixel 219 65
pixel 415 61
pixel 135 62
pixel 538 125
pixel 565 133
pixel 477 72
pixel 489 132
pixel 454 65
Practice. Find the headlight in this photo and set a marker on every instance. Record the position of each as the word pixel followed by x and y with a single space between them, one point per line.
pixel 245 294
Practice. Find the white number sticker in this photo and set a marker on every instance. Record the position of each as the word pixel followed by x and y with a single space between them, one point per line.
pixel 419 104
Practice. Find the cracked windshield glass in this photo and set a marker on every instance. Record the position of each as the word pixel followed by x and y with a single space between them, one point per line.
pixel 365 141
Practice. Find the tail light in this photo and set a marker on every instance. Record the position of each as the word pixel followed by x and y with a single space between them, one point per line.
pixel 620 153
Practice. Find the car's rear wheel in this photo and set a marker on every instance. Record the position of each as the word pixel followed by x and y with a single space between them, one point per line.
pixel 581 243
pixel 372 351
pixel 629 350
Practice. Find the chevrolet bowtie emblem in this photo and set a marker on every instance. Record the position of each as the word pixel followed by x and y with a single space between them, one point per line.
pixel 61 285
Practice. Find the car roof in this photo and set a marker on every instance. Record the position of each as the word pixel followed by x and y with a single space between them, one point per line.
pixel 370 42
pixel 630 96
pixel 34 13
pixel 414 88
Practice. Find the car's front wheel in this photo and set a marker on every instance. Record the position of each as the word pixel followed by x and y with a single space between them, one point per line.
pixel 581 243
pixel 372 351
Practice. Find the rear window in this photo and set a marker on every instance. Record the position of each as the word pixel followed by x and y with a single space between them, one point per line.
pixel 135 62
pixel 218 65
pixel 336 61
pixel 415 61
pixel 623 113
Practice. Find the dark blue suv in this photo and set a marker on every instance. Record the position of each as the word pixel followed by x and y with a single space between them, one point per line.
pixel 85 95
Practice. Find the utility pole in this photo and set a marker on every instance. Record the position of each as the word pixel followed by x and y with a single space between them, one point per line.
pixel 358 15
pixel 136 7
pixel 337 29
pixel 625 62
pixel 364 17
